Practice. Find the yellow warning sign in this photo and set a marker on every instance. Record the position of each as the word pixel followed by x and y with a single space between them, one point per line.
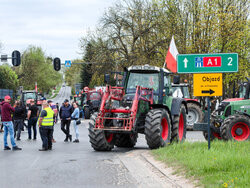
pixel 207 84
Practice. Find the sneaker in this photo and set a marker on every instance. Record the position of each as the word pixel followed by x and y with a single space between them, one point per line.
pixel 18 139
pixel 66 140
pixel 50 148
pixel 1 131
pixel 76 141
pixel 7 148
pixel 16 148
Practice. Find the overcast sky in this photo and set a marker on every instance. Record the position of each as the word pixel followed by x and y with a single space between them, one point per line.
pixel 54 25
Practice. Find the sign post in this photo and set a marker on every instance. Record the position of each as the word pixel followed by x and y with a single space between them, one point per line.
pixel 207 85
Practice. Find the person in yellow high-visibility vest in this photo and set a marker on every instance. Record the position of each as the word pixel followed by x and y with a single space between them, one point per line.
pixel 46 126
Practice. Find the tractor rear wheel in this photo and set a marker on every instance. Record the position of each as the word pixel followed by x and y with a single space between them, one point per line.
pixel 100 140
pixel 179 128
pixel 195 115
pixel 126 140
pixel 236 127
pixel 157 128
pixel 86 112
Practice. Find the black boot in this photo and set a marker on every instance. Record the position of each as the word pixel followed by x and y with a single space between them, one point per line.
pixel 70 138
pixel 66 139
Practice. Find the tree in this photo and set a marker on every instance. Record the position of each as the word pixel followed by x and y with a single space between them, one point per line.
pixel 36 67
pixel 8 78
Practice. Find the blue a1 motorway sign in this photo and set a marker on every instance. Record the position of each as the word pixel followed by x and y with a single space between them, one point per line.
pixel 207 63
pixel 67 63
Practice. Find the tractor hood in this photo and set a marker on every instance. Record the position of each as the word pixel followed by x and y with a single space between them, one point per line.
pixel 233 99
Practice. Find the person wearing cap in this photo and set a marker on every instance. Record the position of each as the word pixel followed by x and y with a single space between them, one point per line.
pixel 32 117
pixel 65 115
pixel 6 112
pixel 45 124
pixel 18 116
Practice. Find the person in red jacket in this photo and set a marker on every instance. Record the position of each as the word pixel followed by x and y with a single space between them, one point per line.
pixel 6 111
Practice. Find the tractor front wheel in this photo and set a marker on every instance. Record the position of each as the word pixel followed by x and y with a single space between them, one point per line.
pixel 213 135
pixel 126 140
pixel 100 140
pixel 236 127
pixel 179 129
pixel 157 128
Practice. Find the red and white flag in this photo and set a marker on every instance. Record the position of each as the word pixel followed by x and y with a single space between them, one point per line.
pixel 171 62
pixel 36 86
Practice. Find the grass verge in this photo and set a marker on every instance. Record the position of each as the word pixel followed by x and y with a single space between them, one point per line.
pixel 226 164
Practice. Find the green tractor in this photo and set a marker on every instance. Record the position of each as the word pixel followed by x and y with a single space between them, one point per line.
pixel 231 120
pixel 144 105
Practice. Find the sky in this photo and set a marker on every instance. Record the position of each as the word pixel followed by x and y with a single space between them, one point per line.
pixel 54 25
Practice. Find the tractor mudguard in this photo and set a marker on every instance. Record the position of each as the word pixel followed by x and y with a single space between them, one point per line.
pixel 176 105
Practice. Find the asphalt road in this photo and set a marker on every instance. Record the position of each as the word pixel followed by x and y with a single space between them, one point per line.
pixel 77 164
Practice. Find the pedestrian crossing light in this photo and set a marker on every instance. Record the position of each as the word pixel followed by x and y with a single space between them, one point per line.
pixel 57 64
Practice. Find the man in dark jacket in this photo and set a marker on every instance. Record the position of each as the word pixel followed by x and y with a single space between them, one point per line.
pixel 32 117
pixel 6 112
pixel 65 115
pixel 19 116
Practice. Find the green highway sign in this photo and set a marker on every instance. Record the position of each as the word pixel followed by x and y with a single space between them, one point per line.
pixel 207 63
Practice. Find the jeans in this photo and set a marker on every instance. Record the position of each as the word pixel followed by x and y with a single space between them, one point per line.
pixel 18 126
pixel 46 136
pixel 76 129
pixel 32 123
pixel 67 124
pixel 8 127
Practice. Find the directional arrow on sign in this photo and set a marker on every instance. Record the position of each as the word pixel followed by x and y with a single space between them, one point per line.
pixel 185 62
pixel 208 91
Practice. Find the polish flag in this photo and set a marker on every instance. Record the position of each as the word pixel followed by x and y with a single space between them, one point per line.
pixel 170 61
pixel 36 86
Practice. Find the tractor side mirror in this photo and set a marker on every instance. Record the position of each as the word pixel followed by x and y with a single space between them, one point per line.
pixel 106 78
pixel 176 79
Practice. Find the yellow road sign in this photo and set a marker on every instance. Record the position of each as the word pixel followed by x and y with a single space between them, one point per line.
pixel 207 85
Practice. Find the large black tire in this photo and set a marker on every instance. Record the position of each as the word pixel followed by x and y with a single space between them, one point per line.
pixel 236 127
pixel 99 139
pixel 126 140
pixel 179 127
pixel 213 135
pixel 157 128
pixel 195 115
pixel 86 112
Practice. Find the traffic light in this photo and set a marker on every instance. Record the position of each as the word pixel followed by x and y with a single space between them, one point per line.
pixel 57 64
pixel 16 58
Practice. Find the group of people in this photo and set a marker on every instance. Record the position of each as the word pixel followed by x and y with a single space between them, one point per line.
pixel 13 121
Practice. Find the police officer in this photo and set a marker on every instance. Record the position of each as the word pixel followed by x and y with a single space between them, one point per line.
pixel 46 122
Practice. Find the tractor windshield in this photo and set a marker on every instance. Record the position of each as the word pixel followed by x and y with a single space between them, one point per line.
pixel 149 80
pixel 29 96
pixel 243 90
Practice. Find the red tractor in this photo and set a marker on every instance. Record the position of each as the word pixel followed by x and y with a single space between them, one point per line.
pixel 90 101
pixel 144 105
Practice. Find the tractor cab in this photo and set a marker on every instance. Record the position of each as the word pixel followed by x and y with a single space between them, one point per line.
pixel 28 95
pixel 147 77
